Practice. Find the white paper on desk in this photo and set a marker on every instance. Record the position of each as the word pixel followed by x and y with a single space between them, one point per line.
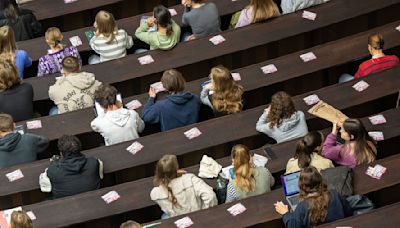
pixel 147 59
pixel 69 1
pixel 376 135
pixel 135 104
pixel 311 99
pixel 75 41
pixel 236 76
pixel 269 69
pixel 172 12
pixel 377 119
pixel 217 39
pixel 110 197
pixel 192 133
pixel 184 222
pixel 259 160
pixel 34 124
pixel 398 28
pixel 158 87
pixel 15 175
pixel 237 209
pixel 361 86
pixel 309 15
pixel 31 215
pixel 134 148
pixel 307 57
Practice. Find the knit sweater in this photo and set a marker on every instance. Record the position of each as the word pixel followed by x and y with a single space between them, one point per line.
pixel 51 63
pixel 341 154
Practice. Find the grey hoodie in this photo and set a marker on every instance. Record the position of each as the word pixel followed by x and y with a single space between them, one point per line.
pixel 118 126
pixel 73 92
pixel 291 128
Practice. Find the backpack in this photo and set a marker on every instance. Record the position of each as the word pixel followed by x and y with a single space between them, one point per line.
pixel 340 179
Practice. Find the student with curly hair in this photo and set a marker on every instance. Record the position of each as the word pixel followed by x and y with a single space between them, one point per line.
pixel 281 121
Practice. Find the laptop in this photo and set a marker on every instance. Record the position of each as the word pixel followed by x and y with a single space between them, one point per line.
pixel 290 184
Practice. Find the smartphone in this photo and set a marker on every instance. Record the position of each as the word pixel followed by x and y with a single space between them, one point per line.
pixel 89 35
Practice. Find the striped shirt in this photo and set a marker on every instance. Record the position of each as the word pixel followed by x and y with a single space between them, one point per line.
pixel 115 50
pixel 376 65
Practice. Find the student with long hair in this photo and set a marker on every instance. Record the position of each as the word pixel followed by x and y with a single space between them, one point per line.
pixel 108 41
pixel 257 11
pixel 290 6
pixel 51 63
pixel 8 50
pixel 247 180
pixel 178 192
pixel 222 94
pixel 308 154
pixel 19 219
pixel 168 32
pixel 359 147
pixel 281 121
pixel 317 206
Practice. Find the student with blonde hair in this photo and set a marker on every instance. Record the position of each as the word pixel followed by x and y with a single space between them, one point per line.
pixel 8 50
pixel 257 11
pixel 130 224
pixel 51 63
pixel 178 192
pixel 19 219
pixel 108 41
pixel 247 180
pixel 222 94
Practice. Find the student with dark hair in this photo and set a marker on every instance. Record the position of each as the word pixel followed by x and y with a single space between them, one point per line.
pixel 317 205
pixel 178 192
pixel 73 172
pixel 308 154
pixel 16 148
pixel 168 32
pixel 16 98
pixel 117 124
pixel 178 109
pixel 203 18
pixel 74 90
pixel 359 148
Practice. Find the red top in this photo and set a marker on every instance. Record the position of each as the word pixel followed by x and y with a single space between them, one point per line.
pixel 377 65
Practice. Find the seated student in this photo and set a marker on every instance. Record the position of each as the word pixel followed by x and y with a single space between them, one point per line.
pixel 178 192
pixel 257 11
pixel 281 121
pixel 359 147
pixel 318 205
pixel 8 50
pixel 130 224
pixel 203 18
pixel 25 26
pixel 16 98
pixel 108 41
pixel 178 109
pixel 16 148
pixel 73 172
pixel 75 89
pixel 379 61
pixel 168 32
pixel 222 94
pixel 290 6
pixel 308 154
pixel 19 219
pixel 247 180
pixel 116 124
pixel 51 63
pixel 5 3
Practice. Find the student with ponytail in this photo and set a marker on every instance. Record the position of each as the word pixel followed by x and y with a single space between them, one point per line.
pixel 247 180
pixel 307 153
pixel 51 63
pixel 178 192
pixel 317 205
pixel 168 32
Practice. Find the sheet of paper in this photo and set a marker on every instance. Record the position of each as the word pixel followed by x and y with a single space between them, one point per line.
pixel 172 12
pixel 184 222
pixel 110 197
pixel 217 39
pixel 311 99
pixel 158 87
pixel 75 41
pixel 377 119
pixel 259 160
pixel 361 86
pixel 147 59
pixel 376 135
pixel 135 104
pixel 269 69
pixel 15 175
pixel 237 209
pixel 134 148
pixel 192 133
pixel 34 124
pixel 309 15
pixel 236 76
pixel 307 57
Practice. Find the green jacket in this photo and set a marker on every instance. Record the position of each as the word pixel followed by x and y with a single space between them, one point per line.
pixel 156 40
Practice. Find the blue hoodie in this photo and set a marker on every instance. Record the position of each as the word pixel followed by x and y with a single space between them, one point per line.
pixel 174 111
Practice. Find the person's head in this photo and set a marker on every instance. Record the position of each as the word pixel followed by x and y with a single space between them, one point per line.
pixel 314 190
pixel 243 168
pixel 69 145
pixel 264 9
pixel 54 38
pixel 166 170
pixel 309 144
pixel 281 108
pixel 70 64
pixel 353 131
pixel 130 224
pixel 6 124
pixel 7 43
pixel 375 44
pixel 8 74
pixel 106 96
pixel 227 96
pixel 5 3
pixel 11 13
pixel 19 219
pixel 106 25
pixel 173 81
pixel 163 18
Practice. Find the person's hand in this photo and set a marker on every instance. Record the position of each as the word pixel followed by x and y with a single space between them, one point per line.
pixel 150 21
pixel 181 171
pixel 209 86
pixel 335 128
pixel 152 92
pixel 186 3
pixel 191 37
pixel 267 109
pixel 281 208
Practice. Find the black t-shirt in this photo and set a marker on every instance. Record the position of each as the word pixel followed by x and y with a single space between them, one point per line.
pixel 18 102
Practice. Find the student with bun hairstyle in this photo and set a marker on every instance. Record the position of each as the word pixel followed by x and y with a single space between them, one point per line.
pixel 318 205
pixel 168 32
pixel 222 94
pixel 178 192
pixel 359 147
pixel 257 11
pixel 307 154
pixel 108 41
pixel 51 63
pixel 247 180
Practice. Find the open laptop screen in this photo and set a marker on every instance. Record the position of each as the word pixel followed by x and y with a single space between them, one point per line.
pixel 291 183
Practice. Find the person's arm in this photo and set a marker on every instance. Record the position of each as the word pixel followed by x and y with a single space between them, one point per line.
pixel 330 148
pixel 205 192
pixel 230 192
pixel 41 143
pixel 262 125
pixel 27 60
pixel 44 182
pixel 94 125
pixel 142 33
pixel 185 20
pixel 139 122
pixel 244 18
pixel 128 40
pixel 291 220
pixel 271 178
pixel 41 67
pixel 150 112
pixel 101 169
pixel 204 96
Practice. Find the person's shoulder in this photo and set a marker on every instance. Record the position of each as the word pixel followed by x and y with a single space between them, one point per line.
pixel 393 57
pixel 21 53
